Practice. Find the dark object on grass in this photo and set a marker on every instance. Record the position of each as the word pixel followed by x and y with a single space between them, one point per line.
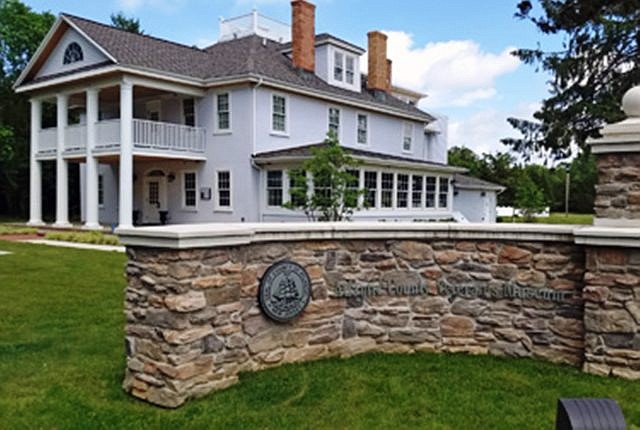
pixel 589 414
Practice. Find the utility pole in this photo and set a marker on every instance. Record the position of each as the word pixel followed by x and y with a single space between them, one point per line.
pixel 567 183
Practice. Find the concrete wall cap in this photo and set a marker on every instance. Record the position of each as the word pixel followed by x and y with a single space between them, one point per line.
pixel 213 235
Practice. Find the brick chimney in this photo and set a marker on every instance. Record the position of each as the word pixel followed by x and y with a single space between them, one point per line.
pixel 303 34
pixel 379 77
pixel 389 69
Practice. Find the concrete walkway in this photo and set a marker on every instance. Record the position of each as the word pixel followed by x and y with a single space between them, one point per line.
pixel 4 253
pixel 63 244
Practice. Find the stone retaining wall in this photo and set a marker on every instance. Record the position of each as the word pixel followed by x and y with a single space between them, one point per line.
pixel 612 312
pixel 194 322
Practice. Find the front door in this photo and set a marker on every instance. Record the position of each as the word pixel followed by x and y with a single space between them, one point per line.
pixel 155 198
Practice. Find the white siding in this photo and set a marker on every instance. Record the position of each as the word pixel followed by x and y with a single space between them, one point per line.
pixel 54 64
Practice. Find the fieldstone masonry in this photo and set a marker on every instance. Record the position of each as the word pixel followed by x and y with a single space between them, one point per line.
pixel 194 323
pixel 566 294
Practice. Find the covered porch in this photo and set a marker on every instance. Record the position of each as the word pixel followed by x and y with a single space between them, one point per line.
pixel 115 123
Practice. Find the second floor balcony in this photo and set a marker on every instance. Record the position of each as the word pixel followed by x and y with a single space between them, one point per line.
pixel 149 137
pixel 162 125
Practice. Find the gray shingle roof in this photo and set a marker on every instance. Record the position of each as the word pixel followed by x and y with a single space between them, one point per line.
pixel 307 151
pixel 470 182
pixel 250 55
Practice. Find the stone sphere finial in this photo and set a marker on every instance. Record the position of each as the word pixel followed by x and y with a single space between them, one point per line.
pixel 631 102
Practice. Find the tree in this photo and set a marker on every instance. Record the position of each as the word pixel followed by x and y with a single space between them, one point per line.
pixel 120 20
pixel 21 32
pixel 324 187
pixel 597 64
pixel 529 198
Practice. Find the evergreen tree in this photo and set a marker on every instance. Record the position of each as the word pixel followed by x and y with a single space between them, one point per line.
pixel 597 64
pixel 120 20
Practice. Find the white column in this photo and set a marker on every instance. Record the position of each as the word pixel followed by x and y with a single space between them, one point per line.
pixel 62 173
pixel 91 188
pixel 126 155
pixel 35 166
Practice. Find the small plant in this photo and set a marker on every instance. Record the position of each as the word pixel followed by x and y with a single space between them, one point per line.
pixel 333 194
pixel 91 237
pixel 530 199
pixel 7 229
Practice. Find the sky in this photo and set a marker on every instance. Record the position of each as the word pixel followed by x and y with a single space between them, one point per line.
pixel 458 52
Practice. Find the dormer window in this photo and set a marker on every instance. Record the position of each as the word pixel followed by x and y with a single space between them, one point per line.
pixel 350 69
pixel 72 54
pixel 344 67
pixel 338 66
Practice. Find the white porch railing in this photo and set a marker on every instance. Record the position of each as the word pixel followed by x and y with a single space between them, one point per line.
pixel 167 136
pixel 108 133
pixel 152 135
pixel 75 137
pixel 47 140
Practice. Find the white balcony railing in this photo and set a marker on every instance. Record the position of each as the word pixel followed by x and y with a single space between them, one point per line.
pixel 108 134
pixel 152 135
pixel 167 136
pixel 75 139
pixel 47 140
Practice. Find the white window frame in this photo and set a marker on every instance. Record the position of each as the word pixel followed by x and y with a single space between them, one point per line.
pixel 183 193
pixel 368 140
pixel 195 111
pixel 343 57
pixel 348 57
pixel 411 134
pixel 101 182
pixel 329 107
pixel 284 187
pixel 287 114
pixel 217 206
pixel 448 180
pixel 421 191
pixel 216 119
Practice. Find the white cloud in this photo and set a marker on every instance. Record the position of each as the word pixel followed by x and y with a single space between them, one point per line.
pixel 482 130
pixel 452 73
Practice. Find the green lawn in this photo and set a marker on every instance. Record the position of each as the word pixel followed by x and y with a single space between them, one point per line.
pixel 555 218
pixel 61 366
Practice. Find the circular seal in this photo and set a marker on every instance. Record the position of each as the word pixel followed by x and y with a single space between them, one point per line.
pixel 285 290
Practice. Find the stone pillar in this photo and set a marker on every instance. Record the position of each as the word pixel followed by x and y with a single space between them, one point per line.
pixel 126 155
pixel 92 163
pixel 612 280
pixel 35 166
pixel 62 168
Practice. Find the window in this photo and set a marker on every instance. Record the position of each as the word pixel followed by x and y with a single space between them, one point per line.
pixel 224 189
pixel 274 188
pixel 298 187
pixel 386 195
pixel 338 66
pixel 334 120
pixel 279 114
pixel 353 185
pixel 223 112
pixel 407 140
pixel 350 71
pixel 371 187
pixel 363 129
pixel 431 192
pixel 72 54
pixel 189 182
pixel 322 189
pixel 189 112
pixel 443 200
pixel 100 190
pixel 416 191
pixel 402 192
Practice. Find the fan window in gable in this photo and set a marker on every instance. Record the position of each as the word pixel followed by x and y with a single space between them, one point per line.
pixel 73 53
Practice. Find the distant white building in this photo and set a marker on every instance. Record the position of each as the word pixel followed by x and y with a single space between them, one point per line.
pixel 475 198
pixel 171 133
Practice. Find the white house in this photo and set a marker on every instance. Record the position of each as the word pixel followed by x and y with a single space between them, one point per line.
pixel 170 133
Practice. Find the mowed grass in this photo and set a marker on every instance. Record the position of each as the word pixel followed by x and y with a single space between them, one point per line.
pixel 554 218
pixel 61 366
